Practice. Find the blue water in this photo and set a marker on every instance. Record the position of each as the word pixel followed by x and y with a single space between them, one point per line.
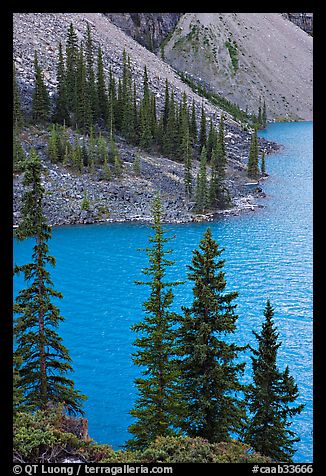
pixel 268 254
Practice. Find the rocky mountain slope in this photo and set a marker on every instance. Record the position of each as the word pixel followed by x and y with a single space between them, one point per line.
pixel 130 197
pixel 149 29
pixel 245 56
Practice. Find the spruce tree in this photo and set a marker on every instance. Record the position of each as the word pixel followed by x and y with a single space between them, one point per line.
pixel 52 149
pixel 84 115
pixel 211 140
pixel 193 124
pixel 19 155
pixel 186 157
pixel 221 148
pixel 71 70
pixel 145 140
pixel 215 182
pixel 45 361
pixel 208 363
pixel 262 164
pixel 40 97
pixel 202 132
pixel 157 408
pixel 271 397
pixel 61 111
pixel 252 166
pixel 201 199
pixel 17 112
pixel 91 89
pixel 264 116
pixel 102 98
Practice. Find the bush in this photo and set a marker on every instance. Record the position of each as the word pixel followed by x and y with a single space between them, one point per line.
pixel 199 450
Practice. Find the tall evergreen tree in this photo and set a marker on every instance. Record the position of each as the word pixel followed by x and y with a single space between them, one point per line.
pixel 252 166
pixel 84 116
pixel 264 115
pixel 211 140
pixel 271 397
pixel 201 199
pixel 102 98
pixel 17 112
pixel 208 363
pixel 71 70
pixel 145 116
pixel 61 111
pixel 202 132
pixel 40 98
pixel 52 149
pixel 187 160
pixel 91 89
pixel 45 361
pixel 193 124
pixel 157 408
pixel 262 164
pixel 221 147
pixel 215 182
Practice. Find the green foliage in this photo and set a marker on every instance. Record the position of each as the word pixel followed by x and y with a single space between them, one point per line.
pixel 19 155
pixel 201 199
pixel 262 164
pixel 252 166
pixel 209 365
pixel 199 450
pixel 136 164
pixel 44 360
pixel 40 98
pixel 85 203
pixel 157 408
pixel 219 101
pixel 18 119
pixel 234 54
pixel 61 112
pixel 38 439
pixel 271 397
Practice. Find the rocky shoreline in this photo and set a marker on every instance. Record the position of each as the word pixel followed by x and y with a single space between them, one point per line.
pixel 129 198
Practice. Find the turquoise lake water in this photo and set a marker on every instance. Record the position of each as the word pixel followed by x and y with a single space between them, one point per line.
pixel 268 254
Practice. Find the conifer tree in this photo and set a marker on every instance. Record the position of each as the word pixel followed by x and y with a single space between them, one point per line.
pixel 136 164
pixel 202 133
pixel 169 140
pixel 61 111
pixel 201 200
pixel 45 361
pixel 126 100
pixel 71 69
pixel 102 98
pixel 264 115
pixel 157 408
pixel 211 140
pixel 17 112
pixel 91 89
pixel 19 155
pixel 221 147
pixel 111 120
pixel 84 115
pixel 52 150
pixel 262 164
pixel 252 166
pixel 40 98
pixel 271 397
pixel 186 151
pixel 193 124
pixel 145 118
pixel 215 182
pixel 208 363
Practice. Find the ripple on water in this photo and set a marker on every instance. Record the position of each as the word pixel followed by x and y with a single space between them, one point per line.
pixel 268 254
